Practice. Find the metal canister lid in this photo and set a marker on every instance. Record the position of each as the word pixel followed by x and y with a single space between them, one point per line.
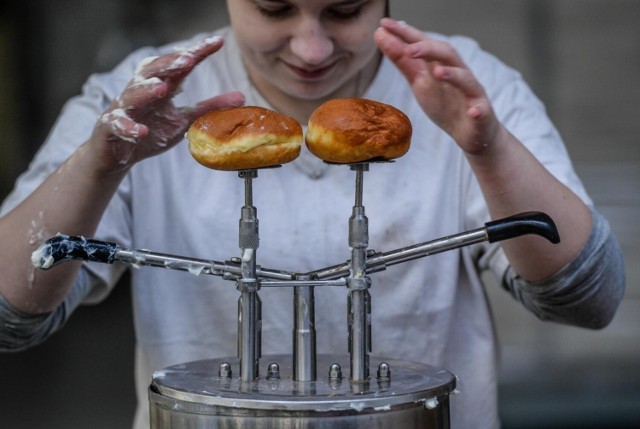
pixel 197 384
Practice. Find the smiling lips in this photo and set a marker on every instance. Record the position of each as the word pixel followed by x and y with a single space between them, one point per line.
pixel 311 74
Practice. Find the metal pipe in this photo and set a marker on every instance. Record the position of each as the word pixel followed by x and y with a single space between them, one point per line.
pixel 63 248
pixel 358 318
pixel 358 333
pixel 303 283
pixel 379 261
pixel 304 334
pixel 249 307
pixel 247 350
pixel 436 246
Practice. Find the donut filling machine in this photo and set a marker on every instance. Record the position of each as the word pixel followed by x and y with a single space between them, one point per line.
pixel 303 389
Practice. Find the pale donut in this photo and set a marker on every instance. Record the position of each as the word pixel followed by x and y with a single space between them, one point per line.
pixel 244 138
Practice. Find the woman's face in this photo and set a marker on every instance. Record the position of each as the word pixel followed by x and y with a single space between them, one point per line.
pixel 306 49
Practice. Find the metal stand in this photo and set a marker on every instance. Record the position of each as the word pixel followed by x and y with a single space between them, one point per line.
pixel 359 299
pixel 249 304
pixel 205 394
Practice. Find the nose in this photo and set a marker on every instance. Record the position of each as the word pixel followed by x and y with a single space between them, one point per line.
pixel 311 42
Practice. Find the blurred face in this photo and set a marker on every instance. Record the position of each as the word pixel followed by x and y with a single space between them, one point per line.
pixel 307 49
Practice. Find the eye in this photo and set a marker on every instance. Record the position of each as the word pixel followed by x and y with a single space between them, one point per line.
pixel 345 13
pixel 273 9
pixel 347 10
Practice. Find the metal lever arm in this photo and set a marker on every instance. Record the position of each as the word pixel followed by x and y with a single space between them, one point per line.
pixel 537 223
pixel 63 248
pixel 521 224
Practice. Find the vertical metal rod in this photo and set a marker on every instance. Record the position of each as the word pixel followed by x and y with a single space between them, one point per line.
pixel 248 328
pixel 248 189
pixel 358 299
pixel 358 334
pixel 249 311
pixel 304 334
pixel 359 187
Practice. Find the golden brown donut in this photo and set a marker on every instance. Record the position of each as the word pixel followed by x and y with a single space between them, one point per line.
pixel 350 130
pixel 243 138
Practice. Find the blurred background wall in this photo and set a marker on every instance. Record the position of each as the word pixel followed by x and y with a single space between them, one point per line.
pixel 582 57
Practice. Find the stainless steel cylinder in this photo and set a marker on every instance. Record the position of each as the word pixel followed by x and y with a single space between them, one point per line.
pixel 197 395
pixel 304 334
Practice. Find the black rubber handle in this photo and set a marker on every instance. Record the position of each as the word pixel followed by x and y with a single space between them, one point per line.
pixel 64 247
pixel 522 224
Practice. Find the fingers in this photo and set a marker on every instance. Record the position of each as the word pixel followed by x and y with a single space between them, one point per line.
pixel 171 68
pixel 157 79
pixel 144 114
pixel 118 118
pixel 416 45
pixel 434 51
pixel 401 29
pixel 230 99
pixel 179 63
pixel 141 93
pixel 205 47
pixel 120 126
pixel 460 78
pixel 393 47
pixel 444 86
pixel 418 56
pixel 412 52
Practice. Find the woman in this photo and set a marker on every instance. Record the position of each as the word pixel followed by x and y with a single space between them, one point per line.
pixel 482 148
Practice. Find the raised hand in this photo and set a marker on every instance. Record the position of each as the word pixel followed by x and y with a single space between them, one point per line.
pixel 143 121
pixel 443 85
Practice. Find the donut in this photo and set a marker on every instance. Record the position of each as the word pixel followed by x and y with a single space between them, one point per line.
pixel 243 138
pixel 351 130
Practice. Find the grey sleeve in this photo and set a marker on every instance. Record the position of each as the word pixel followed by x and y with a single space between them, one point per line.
pixel 19 330
pixel 586 292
